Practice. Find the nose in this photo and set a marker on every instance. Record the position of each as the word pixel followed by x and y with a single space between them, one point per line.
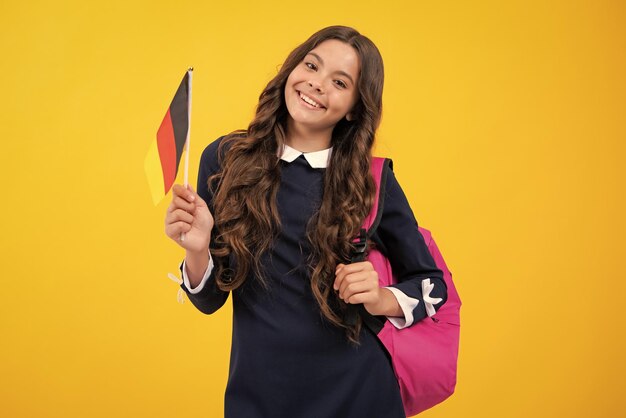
pixel 316 85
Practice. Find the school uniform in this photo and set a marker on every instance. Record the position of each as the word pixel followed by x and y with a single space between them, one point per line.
pixel 287 361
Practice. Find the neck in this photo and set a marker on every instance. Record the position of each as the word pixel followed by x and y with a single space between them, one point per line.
pixel 307 140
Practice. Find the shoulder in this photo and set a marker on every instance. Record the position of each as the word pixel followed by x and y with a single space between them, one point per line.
pixel 386 181
pixel 214 152
pixel 392 201
pixel 211 156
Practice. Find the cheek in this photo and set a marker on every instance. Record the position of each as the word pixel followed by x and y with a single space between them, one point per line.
pixel 342 102
pixel 353 101
pixel 294 77
pixel 289 82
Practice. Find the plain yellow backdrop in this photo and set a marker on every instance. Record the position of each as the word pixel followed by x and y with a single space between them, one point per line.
pixel 505 123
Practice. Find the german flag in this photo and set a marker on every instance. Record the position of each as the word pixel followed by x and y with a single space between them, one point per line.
pixel 164 155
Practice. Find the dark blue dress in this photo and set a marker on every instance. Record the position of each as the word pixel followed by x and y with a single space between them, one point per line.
pixel 287 360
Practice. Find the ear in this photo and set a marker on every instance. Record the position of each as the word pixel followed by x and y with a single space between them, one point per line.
pixel 349 117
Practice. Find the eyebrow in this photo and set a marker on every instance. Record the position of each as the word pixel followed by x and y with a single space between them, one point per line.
pixel 338 71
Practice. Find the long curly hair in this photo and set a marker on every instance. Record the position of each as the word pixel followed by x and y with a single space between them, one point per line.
pixel 245 211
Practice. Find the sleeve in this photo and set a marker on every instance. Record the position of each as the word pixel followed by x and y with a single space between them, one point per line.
pixel 407 305
pixel 420 290
pixel 205 277
pixel 207 297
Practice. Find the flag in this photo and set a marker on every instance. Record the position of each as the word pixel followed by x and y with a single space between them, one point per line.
pixel 163 158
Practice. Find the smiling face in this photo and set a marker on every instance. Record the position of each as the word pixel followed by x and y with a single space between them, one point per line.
pixel 322 89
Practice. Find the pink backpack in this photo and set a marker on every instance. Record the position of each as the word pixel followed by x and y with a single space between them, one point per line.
pixel 424 355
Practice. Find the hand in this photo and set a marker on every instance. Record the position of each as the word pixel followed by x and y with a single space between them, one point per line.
pixel 190 214
pixel 358 283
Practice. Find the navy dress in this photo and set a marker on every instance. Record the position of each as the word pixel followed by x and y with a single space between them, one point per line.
pixel 287 360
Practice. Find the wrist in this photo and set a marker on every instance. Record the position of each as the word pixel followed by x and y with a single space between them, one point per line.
pixel 387 304
pixel 197 254
pixel 196 263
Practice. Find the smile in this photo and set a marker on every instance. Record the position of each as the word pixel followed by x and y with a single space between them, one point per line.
pixel 309 101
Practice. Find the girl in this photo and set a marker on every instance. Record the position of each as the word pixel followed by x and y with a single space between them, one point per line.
pixel 277 208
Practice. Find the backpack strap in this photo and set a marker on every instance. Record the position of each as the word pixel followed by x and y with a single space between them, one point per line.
pixel 379 168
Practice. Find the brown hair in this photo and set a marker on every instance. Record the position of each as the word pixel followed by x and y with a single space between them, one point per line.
pixel 246 216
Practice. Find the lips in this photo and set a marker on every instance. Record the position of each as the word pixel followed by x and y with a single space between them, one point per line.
pixel 309 101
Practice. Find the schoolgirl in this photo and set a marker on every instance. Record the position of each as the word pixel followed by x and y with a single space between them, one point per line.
pixel 277 208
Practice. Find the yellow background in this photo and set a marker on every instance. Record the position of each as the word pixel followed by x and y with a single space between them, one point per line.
pixel 505 122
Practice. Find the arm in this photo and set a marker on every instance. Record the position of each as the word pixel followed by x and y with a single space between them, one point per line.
pixel 421 289
pixel 197 268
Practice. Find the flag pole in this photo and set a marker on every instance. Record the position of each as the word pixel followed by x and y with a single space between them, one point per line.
pixel 190 71
pixel 186 165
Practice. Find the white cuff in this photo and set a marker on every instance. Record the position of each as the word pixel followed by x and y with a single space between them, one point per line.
pixel 407 304
pixel 198 288
pixel 427 286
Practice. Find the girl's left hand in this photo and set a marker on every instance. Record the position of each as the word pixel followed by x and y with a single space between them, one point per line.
pixel 358 283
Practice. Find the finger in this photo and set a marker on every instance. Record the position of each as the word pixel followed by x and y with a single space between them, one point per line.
pixel 341 267
pixel 184 192
pixel 175 229
pixel 178 190
pixel 363 265
pixel 354 267
pixel 363 297
pixel 340 274
pixel 344 270
pixel 178 203
pixel 353 278
pixel 355 288
pixel 199 201
pixel 180 215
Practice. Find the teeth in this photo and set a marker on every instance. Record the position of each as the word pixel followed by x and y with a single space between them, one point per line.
pixel 309 100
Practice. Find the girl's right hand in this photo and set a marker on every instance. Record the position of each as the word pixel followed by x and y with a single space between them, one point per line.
pixel 190 214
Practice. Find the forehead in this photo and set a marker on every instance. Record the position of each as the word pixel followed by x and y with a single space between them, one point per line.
pixel 338 56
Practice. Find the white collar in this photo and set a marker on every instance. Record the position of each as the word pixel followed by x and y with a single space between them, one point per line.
pixel 316 159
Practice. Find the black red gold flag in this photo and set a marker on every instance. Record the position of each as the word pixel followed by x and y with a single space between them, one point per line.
pixel 163 158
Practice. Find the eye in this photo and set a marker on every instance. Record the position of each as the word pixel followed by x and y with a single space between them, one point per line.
pixel 341 84
pixel 311 65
